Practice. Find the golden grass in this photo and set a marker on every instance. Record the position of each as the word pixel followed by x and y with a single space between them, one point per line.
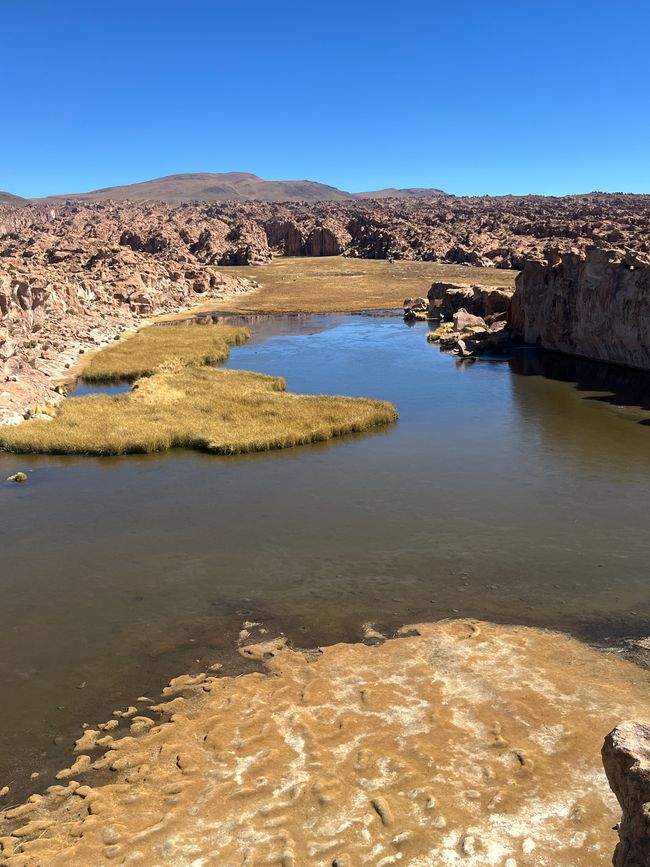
pixel 337 284
pixel 221 411
pixel 142 354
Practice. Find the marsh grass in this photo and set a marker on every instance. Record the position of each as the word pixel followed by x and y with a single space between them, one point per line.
pixel 214 410
pixel 142 354
pixel 339 284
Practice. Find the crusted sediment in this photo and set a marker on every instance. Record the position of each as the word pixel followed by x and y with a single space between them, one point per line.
pixel 461 743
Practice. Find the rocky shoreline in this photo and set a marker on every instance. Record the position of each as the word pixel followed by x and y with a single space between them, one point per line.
pixel 457 742
pixel 593 304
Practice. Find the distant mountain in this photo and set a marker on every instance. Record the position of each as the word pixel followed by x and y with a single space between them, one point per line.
pixel 10 199
pixel 236 187
pixel 207 187
pixel 407 193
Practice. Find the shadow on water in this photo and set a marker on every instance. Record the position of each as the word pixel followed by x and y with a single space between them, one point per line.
pixel 615 385
pixel 81 388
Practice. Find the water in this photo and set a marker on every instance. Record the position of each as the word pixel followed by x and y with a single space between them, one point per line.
pixel 81 388
pixel 514 490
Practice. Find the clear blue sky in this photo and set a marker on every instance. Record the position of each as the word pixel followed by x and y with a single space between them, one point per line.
pixel 470 96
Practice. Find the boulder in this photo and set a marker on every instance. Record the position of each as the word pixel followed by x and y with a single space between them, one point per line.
pixel 446 298
pixel 463 321
pixel 626 759
pixel 415 309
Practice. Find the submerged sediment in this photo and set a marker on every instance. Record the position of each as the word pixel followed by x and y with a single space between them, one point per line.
pixel 459 743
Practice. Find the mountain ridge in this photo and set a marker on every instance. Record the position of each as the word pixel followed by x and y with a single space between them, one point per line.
pixel 9 199
pixel 231 186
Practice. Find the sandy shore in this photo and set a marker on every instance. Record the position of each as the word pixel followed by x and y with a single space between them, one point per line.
pixel 459 743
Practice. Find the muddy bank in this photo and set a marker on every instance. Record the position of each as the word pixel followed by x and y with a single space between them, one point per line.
pixel 461 742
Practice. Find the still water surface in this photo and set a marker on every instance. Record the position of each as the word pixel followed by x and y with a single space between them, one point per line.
pixel 515 490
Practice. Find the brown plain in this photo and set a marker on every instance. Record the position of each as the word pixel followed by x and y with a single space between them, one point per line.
pixel 338 284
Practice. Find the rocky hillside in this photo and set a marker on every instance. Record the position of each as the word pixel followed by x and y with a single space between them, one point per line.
pixel 500 232
pixel 70 282
pixel 10 199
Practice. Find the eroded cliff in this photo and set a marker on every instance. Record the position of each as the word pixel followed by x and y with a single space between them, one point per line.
pixel 593 303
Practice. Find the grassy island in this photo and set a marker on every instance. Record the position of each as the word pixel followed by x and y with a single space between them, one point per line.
pixel 179 401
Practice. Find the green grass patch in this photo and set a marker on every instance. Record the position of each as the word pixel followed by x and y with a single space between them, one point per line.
pixel 142 354
pixel 220 411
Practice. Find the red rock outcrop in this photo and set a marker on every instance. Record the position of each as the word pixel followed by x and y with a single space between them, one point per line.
pixel 329 239
pixel 285 237
pixel 75 279
pixel 626 758
pixel 593 303
pixel 445 299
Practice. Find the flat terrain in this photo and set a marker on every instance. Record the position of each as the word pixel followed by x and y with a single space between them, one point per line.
pixel 335 284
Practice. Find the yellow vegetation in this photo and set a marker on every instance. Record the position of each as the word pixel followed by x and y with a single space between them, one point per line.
pixel 440 332
pixel 339 284
pixel 222 411
pixel 142 354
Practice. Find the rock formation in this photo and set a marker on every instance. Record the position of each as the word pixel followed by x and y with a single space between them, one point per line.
pixel 468 335
pixel 73 280
pixel 501 232
pixel 75 274
pixel 329 239
pixel 445 299
pixel 593 303
pixel 626 758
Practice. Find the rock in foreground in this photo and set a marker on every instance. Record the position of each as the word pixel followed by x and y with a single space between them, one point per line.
pixel 626 757
pixel 466 744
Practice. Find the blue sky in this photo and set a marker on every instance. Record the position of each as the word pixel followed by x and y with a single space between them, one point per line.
pixel 510 96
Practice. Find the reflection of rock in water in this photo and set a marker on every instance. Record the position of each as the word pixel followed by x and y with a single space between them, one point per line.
pixel 622 385
pixel 467 743
pixel 262 325
pixel 570 421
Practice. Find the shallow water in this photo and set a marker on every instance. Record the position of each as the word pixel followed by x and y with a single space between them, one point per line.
pixel 82 388
pixel 514 490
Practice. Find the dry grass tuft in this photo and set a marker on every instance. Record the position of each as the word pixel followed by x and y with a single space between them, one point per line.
pixel 142 354
pixel 221 411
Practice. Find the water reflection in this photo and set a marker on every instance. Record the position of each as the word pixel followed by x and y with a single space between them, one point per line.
pixel 619 386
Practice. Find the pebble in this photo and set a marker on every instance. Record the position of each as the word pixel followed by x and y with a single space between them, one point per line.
pixel 110 835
